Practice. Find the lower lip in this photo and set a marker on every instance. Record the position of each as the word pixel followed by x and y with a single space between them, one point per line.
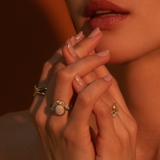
pixel 105 23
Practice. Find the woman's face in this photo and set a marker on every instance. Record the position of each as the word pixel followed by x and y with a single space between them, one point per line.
pixel 131 28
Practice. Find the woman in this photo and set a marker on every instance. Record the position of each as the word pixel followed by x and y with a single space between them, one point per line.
pixel 130 31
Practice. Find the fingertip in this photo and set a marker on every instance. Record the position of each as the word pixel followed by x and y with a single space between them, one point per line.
pixel 73 41
pixel 79 36
pixel 108 78
pixel 69 54
pixel 78 84
pixel 66 54
pixel 103 53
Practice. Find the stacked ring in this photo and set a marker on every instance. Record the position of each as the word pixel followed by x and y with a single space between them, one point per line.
pixel 40 90
pixel 114 110
pixel 59 107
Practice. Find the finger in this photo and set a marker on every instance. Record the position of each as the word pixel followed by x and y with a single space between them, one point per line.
pixel 75 39
pixel 100 107
pixel 71 56
pixel 114 90
pixel 109 130
pixel 105 124
pixel 61 83
pixel 128 122
pixel 48 69
pixel 86 100
pixel 78 84
pixel 44 79
pixel 87 45
pixel 83 48
pixel 81 67
pixel 49 65
pixel 38 111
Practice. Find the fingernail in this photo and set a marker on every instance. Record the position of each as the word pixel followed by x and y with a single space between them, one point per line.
pixel 103 53
pixel 107 78
pixel 94 32
pixel 79 80
pixel 79 35
pixel 71 50
pixel 73 41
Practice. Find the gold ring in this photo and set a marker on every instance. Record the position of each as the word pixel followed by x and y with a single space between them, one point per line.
pixel 40 90
pixel 114 110
pixel 59 107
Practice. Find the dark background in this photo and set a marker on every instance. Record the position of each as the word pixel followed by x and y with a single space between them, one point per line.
pixel 27 40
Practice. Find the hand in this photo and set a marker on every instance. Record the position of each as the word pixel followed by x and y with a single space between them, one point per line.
pixel 116 138
pixel 56 133
pixel 52 128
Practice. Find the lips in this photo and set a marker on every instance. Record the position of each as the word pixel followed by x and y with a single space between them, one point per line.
pixel 104 14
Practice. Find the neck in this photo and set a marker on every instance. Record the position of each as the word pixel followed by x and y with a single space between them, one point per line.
pixel 140 84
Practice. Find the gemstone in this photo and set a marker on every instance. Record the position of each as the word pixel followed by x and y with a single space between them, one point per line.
pixel 59 110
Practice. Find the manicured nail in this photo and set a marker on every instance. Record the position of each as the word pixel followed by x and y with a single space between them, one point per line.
pixel 73 41
pixel 103 53
pixel 79 80
pixel 107 78
pixel 71 50
pixel 94 32
pixel 79 35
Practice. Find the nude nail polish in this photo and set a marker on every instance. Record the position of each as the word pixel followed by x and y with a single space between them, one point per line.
pixel 107 78
pixel 73 41
pixel 79 35
pixel 94 32
pixel 79 80
pixel 103 53
pixel 71 50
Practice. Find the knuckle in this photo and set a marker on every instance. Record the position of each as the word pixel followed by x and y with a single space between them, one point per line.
pixel 58 67
pixel 47 65
pixel 84 99
pixel 68 135
pixel 39 122
pixel 104 110
pixel 62 76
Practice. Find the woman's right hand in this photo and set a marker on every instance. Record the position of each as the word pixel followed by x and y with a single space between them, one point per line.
pixel 60 135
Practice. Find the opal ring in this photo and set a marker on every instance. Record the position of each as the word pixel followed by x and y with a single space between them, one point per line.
pixel 40 90
pixel 114 110
pixel 59 107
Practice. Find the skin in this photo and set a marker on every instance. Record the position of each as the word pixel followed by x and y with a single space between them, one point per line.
pixel 61 140
pixel 136 65
pixel 141 27
pixel 139 76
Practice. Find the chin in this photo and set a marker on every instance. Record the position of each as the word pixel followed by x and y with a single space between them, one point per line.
pixel 120 54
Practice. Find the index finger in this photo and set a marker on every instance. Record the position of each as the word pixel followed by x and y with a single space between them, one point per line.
pixel 114 90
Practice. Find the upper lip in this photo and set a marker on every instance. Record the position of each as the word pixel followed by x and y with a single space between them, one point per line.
pixel 102 5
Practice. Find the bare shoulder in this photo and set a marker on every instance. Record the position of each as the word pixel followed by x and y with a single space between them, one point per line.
pixel 19 138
